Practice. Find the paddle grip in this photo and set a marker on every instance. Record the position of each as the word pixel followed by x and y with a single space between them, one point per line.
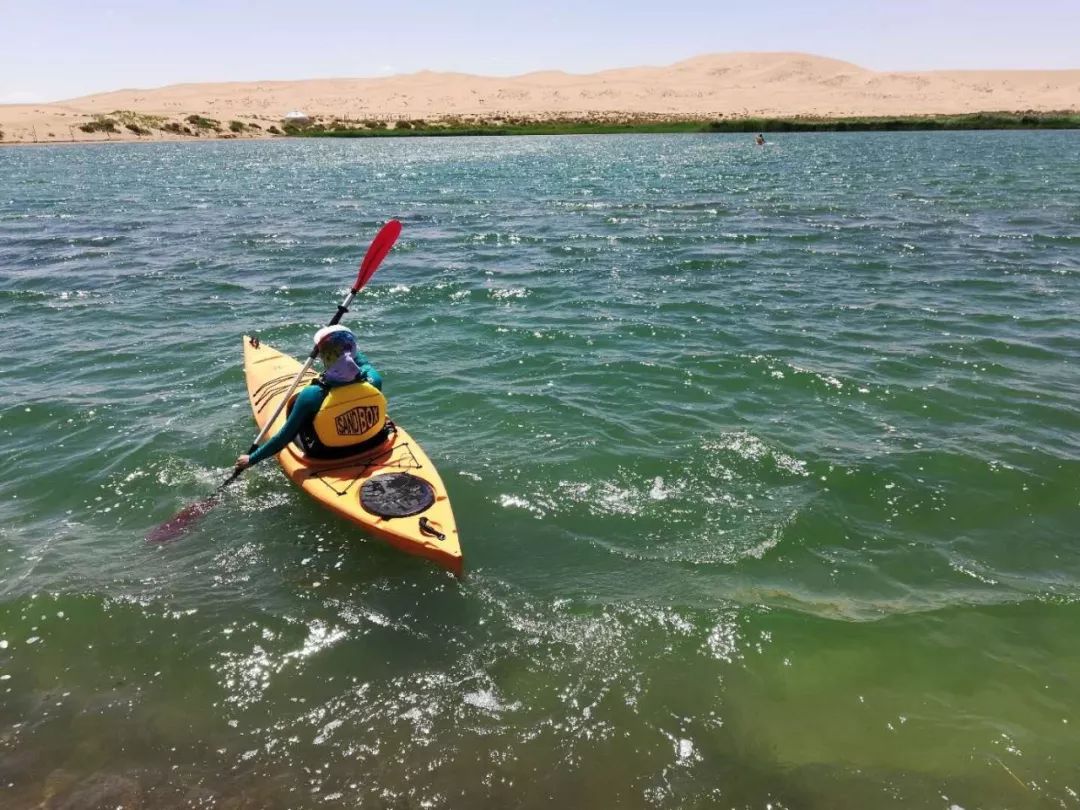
pixel 341 310
pixel 427 528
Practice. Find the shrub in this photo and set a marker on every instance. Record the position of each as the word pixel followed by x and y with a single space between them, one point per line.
pixel 303 129
pixel 99 125
pixel 140 131
pixel 201 122
pixel 128 117
pixel 254 126
pixel 274 130
pixel 237 126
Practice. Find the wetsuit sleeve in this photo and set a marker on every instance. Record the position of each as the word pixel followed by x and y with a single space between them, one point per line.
pixel 307 404
pixel 368 372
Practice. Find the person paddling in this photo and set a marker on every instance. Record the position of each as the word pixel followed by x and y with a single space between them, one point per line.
pixel 338 414
pixel 760 140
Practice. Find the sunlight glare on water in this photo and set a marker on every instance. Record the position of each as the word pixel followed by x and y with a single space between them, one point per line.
pixel 765 464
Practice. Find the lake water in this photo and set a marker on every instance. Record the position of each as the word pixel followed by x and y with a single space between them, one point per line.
pixel 766 463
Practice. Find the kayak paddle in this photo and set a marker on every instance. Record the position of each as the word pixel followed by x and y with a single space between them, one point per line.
pixel 186 517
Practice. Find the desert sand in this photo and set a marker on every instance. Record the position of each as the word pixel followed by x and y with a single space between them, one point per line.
pixel 732 85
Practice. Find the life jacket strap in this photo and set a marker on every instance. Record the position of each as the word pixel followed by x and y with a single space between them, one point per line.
pixel 311 447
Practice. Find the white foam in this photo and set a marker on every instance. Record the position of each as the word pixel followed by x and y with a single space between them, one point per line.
pixel 487 700
pixel 504 293
pixel 659 492
pixel 684 750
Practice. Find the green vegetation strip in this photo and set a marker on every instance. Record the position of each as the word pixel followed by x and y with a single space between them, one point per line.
pixel 375 129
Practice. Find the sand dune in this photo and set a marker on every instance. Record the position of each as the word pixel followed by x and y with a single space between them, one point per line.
pixel 719 85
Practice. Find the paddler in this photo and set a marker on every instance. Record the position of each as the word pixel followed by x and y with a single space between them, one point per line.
pixel 334 405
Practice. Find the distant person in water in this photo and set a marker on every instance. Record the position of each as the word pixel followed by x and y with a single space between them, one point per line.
pixel 336 415
pixel 760 140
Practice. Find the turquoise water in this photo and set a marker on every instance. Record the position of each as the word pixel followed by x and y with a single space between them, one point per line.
pixel 765 463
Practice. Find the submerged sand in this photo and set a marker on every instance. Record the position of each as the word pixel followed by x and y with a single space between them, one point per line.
pixel 715 86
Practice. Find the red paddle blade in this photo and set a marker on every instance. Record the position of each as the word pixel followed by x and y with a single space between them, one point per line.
pixel 182 521
pixel 380 246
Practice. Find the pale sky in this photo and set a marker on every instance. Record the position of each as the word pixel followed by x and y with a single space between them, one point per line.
pixel 64 48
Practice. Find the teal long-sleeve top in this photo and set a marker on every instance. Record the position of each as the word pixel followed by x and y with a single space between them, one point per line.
pixel 306 405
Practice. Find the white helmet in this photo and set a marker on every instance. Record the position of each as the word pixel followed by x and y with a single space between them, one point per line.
pixel 323 333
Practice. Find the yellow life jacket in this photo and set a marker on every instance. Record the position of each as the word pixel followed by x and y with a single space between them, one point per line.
pixel 350 415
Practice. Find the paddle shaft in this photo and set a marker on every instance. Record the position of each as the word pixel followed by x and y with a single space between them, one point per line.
pixel 376 252
pixel 343 307
pixel 179 522
pixel 380 246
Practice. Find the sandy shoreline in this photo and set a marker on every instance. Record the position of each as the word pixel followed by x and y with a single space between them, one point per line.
pixel 707 87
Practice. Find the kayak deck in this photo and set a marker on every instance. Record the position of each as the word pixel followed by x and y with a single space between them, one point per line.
pixel 431 533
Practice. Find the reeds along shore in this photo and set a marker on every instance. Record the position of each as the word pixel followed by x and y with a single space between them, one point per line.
pixel 573 126
pixel 124 125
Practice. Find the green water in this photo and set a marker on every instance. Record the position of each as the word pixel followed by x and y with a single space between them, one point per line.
pixel 765 464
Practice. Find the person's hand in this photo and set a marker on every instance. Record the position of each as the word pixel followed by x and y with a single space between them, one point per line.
pixel 243 462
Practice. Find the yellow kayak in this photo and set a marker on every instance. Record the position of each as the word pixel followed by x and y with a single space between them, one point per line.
pixel 393 490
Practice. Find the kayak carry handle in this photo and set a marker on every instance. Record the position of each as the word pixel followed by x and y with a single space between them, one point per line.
pixel 427 528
